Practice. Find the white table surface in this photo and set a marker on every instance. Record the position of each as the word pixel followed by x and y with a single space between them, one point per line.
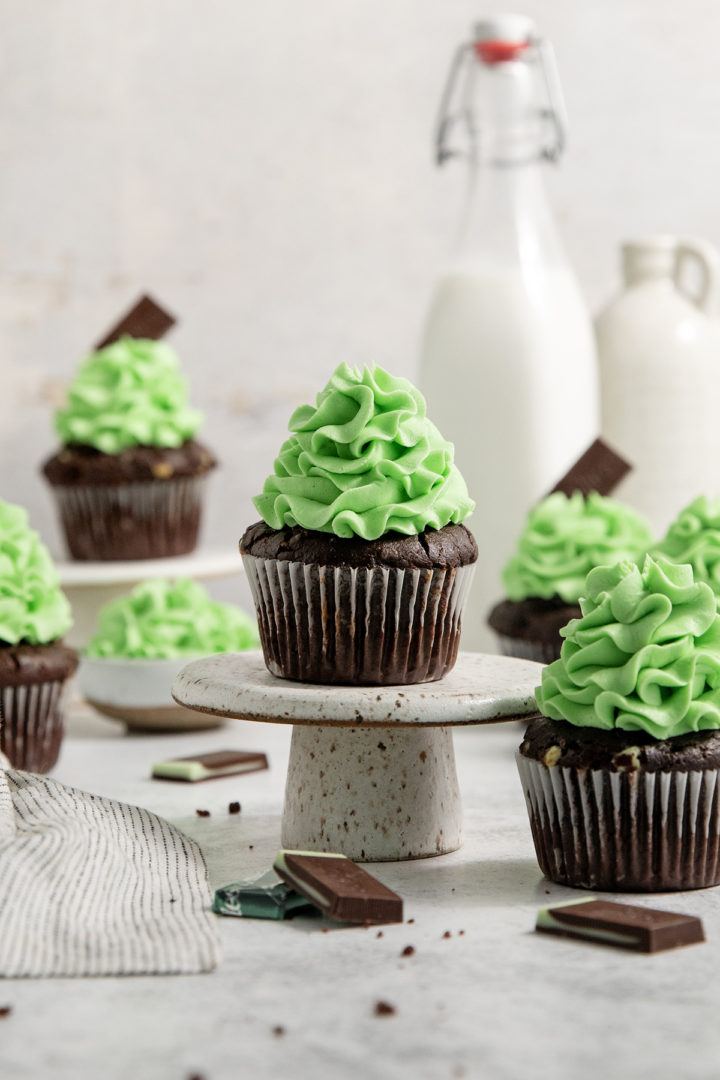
pixel 498 1002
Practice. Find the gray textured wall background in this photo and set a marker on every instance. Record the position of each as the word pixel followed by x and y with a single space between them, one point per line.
pixel 264 169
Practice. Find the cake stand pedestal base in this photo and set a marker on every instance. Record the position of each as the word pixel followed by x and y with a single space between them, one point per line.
pixel 376 795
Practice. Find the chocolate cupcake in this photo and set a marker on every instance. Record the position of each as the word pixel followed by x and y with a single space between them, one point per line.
pixel 360 566
pixel 128 480
pixel 622 773
pixel 563 539
pixel 34 664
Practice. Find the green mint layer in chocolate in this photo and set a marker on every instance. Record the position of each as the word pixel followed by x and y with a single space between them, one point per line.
pixel 565 537
pixel 33 608
pixel 364 461
pixel 162 618
pixel 265 898
pixel 131 393
pixel 644 656
pixel 694 537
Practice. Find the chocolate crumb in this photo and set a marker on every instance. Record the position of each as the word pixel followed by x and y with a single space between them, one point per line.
pixel 409 950
pixel 325 930
pixel 250 847
pixel 379 934
pixel 461 932
pixel 278 1030
pixel 411 920
pixel 5 1010
pixel 203 813
pixel 447 934
pixel 383 1008
pixel 234 808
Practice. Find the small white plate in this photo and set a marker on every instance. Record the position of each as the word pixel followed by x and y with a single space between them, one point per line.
pixel 137 693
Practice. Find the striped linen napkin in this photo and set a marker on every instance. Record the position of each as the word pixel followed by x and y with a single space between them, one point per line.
pixel 90 886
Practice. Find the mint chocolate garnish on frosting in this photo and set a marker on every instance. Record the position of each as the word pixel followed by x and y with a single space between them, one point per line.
pixel 161 619
pixel 694 538
pixel 567 536
pixel 644 656
pixel 364 461
pixel 33 609
pixel 130 393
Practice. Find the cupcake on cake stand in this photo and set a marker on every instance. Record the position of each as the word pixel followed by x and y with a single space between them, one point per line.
pixel 359 571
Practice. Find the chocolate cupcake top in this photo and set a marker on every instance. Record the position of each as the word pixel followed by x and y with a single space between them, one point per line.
pixel 644 656
pixel 364 461
pixel 163 619
pixel 694 538
pixel 565 537
pixel 131 393
pixel 33 610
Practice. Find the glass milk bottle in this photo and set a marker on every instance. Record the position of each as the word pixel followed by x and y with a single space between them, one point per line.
pixel 508 357
pixel 659 357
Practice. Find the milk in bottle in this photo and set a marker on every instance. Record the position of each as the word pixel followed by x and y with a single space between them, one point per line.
pixel 508 362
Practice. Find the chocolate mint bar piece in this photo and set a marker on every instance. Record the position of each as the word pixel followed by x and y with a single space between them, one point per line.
pixel 342 890
pixel 265 898
pixel 145 320
pixel 599 469
pixel 643 929
pixel 209 766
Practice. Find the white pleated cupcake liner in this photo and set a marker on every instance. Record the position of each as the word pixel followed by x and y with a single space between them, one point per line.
pixel 143 520
pixel 633 831
pixel 32 724
pixel 358 625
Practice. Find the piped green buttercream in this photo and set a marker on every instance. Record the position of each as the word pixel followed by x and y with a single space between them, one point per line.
pixel 33 609
pixel 565 537
pixel 694 537
pixel 162 618
pixel 131 393
pixel 364 461
pixel 644 656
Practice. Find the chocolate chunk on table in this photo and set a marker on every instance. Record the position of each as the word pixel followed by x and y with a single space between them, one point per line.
pixel 339 887
pixel 146 319
pixel 198 767
pixel 599 469
pixel 644 929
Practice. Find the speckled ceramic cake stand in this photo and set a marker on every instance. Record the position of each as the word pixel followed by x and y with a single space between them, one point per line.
pixel 372 768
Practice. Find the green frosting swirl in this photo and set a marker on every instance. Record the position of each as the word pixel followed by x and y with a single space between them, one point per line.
pixel 644 656
pixel 565 537
pixel 131 393
pixel 694 537
pixel 363 462
pixel 33 609
pixel 162 619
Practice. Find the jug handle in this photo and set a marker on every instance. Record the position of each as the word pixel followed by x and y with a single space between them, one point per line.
pixel 707 258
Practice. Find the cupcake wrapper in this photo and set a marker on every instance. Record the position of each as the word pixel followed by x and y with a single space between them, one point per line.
pixel 631 831
pixel 543 651
pixel 31 724
pixel 145 520
pixel 355 625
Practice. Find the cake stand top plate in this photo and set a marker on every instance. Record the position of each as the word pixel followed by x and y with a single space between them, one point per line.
pixel 480 689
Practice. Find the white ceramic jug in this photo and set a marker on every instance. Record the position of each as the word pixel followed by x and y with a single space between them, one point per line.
pixel 659 358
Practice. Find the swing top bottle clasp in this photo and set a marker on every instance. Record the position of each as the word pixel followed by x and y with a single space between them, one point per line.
pixel 501 40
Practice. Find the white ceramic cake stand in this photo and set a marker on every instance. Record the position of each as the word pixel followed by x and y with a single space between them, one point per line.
pixel 372 768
